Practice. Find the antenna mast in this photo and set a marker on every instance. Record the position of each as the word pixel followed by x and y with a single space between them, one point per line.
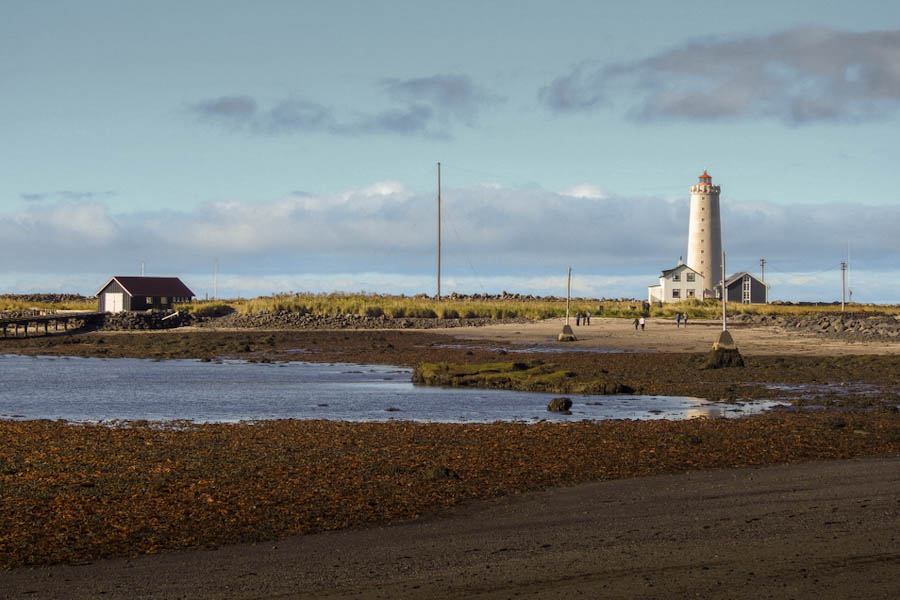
pixel 439 233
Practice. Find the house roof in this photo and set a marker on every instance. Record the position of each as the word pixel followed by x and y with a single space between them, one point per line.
pixel 150 286
pixel 679 267
pixel 738 276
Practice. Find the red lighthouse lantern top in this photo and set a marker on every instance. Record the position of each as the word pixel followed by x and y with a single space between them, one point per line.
pixel 705 178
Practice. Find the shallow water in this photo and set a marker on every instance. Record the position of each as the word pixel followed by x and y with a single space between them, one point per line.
pixel 94 389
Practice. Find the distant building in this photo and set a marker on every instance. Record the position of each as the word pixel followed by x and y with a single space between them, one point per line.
pixel 745 288
pixel 141 293
pixel 675 285
pixel 701 277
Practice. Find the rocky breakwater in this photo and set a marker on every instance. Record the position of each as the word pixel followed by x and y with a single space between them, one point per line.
pixel 293 320
pixel 848 326
pixel 129 321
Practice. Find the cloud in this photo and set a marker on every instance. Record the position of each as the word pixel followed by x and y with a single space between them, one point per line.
pixel 425 106
pixel 493 238
pixel 449 96
pixel 798 76
pixel 586 190
pixel 65 195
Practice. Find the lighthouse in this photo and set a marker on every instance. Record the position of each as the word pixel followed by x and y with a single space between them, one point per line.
pixel 704 253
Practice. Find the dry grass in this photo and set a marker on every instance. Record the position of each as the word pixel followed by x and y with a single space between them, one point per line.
pixel 374 305
pixel 19 305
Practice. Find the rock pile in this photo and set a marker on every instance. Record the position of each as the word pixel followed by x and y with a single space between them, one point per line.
pixel 292 320
pixel 144 320
pixel 851 326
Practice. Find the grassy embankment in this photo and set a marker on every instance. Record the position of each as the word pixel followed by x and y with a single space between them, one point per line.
pixel 16 304
pixel 374 305
pixel 449 308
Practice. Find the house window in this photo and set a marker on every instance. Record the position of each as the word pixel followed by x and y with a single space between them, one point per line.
pixel 690 277
pixel 676 277
pixel 676 293
pixel 690 293
pixel 149 299
pixel 163 300
pixel 746 290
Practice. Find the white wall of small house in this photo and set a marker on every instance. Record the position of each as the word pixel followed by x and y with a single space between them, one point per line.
pixel 668 285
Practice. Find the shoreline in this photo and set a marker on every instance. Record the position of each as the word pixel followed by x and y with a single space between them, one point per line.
pixel 208 486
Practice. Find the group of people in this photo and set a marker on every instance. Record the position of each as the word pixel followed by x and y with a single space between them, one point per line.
pixel 582 318
pixel 679 319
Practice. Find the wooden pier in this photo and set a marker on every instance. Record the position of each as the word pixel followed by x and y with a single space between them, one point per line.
pixel 34 322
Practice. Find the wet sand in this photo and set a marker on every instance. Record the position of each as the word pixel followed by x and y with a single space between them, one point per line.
pixel 824 530
pixel 662 335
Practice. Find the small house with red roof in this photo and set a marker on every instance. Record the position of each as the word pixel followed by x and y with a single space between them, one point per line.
pixel 123 293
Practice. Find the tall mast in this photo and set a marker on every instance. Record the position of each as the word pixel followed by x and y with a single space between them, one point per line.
pixel 439 234
pixel 724 296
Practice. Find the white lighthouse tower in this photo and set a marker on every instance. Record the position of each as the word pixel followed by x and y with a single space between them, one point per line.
pixel 704 253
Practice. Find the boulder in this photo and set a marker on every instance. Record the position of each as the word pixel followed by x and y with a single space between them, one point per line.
pixel 560 405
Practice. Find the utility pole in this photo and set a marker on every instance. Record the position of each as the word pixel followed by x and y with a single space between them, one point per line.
pixel 849 287
pixel 439 234
pixel 142 268
pixel 724 295
pixel 216 279
pixel 568 294
pixel 762 264
pixel 843 283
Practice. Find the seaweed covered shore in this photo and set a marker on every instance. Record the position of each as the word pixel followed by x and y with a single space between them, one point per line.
pixel 71 493
pixel 75 493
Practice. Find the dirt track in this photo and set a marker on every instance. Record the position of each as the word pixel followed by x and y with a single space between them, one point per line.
pixel 825 530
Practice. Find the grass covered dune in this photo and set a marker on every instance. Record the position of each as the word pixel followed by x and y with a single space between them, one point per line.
pixel 74 493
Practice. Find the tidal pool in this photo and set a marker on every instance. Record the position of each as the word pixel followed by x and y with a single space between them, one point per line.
pixel 97 390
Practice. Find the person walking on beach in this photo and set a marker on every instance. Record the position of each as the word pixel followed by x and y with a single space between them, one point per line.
pixel 587 319
pixel 635 323
pixel 642 323
pixel 685 319
pixel 577 319
pixel 677 320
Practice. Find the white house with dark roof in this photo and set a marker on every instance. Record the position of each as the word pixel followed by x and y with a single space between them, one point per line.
pixel 677 284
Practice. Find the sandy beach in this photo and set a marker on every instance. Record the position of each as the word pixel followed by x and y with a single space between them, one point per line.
pixel 826 530
pixel 662 335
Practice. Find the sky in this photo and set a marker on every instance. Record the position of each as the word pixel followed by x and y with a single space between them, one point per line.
pixel 292 146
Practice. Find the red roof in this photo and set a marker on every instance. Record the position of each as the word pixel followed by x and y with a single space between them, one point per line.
pixel 705 175
pixel 152 286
